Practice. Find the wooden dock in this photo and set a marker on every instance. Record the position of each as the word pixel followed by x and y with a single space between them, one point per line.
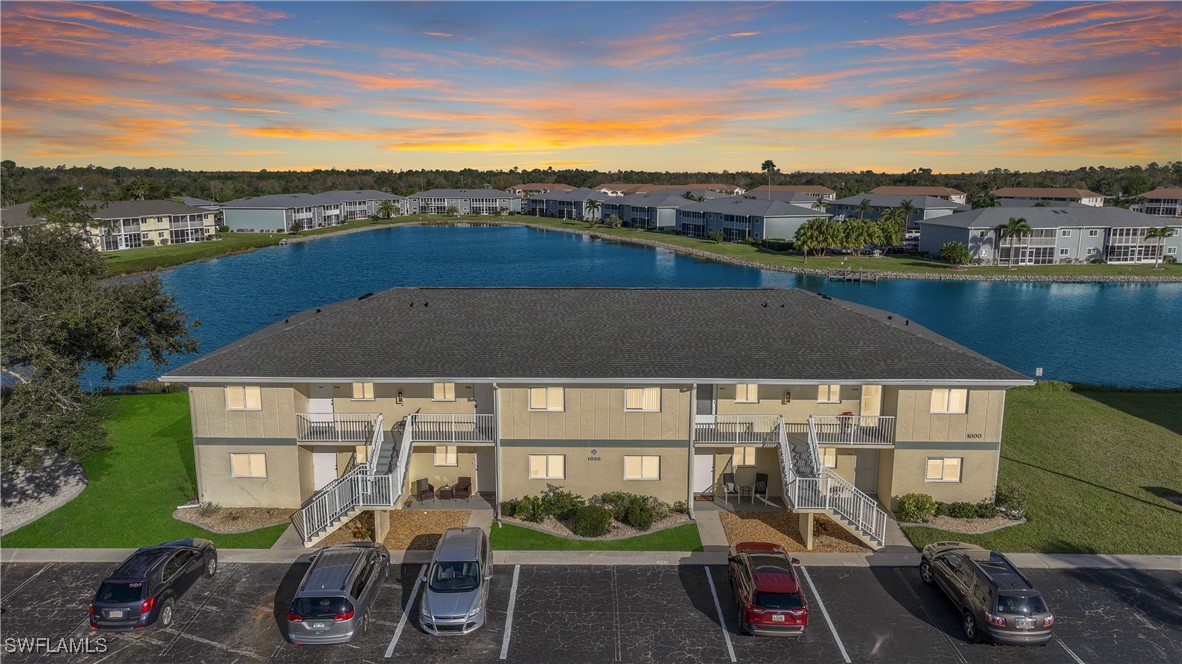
pixel 854 275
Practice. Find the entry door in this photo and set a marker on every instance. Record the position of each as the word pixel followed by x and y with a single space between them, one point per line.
pixel 320 403
pixel 486 466
pixel 705 403
pixel 703 472
pixel 483 393
pixel 866 471
pixel 324 468
pixel 871 403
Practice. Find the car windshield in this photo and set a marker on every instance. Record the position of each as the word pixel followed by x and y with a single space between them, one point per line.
pixel 1025 605
pixel 320 607
pixel 454 577
pixel 779 601
pixel 121 592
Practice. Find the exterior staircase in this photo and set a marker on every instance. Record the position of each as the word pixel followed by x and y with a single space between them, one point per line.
pixel 808 487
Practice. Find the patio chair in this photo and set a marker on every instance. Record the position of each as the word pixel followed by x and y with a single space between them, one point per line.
pixel 462 488
pixel 729 486
pixel 424 490
pixel 760 490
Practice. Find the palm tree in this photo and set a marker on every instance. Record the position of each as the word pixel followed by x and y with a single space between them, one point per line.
pixel 818 204
pixel 907 209
pixel 983 200
pixel 590 207
pixel 769 167
pixel 1015 227
pixel 387 209
pixel 1161 234
pixel 863 207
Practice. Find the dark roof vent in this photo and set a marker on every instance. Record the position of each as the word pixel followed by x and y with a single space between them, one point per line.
pixel 426 304
pixel 362 297
pixel 317 310
pixel 765 305
pixel 906 322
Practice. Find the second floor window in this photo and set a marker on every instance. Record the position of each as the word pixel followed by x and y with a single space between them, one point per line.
pixel 829 394
pixel 444 392
pixel 363 391
pixel 244 397
pixel 646 399
pixel 950 400
pixel 547 398
pixel 746 393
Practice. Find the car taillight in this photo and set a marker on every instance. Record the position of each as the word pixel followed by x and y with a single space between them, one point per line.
pixel 146 605
pixel 798 612
pixel 347 615
pixel 294 617
pixel 1048 621
pixel 995 620
pixel 92 608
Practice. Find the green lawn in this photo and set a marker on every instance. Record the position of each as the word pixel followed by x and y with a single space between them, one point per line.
pixel 515 538
pixel 135 486
pixel 1097 466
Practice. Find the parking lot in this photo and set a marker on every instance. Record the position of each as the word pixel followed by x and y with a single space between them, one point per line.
pixel 606 614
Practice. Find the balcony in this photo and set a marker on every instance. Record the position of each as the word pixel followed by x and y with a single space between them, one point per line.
pixel 457 429
pixel 345 428
pixel 737 429
pixel 853 430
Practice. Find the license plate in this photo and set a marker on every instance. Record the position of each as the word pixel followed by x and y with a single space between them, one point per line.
pixel 777 617
pixel 114 614
pixel 1023 623
pixel 319 625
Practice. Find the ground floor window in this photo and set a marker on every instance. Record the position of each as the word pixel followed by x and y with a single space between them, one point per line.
pixel 183 235
pixel 943 469
pixel 547 466
pixel 248 465
pixel 744 456
pixel 1133 253
pixel 445 455
pixel 642 467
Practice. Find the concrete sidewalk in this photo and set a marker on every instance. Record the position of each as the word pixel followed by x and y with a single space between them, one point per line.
pixel 710 557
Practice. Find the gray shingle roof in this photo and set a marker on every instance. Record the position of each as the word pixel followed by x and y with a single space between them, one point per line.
pixel 272 201
pixel 131 209
pixel 1046 192
pixel 893 200
pixel 17 216
pixel 1082 216
pixel 580 194
pixel 654 200
pixel 918 191
pixel 596 334
pixel 463 193
pixel 753 207
pixel 340 196
pixel 198 202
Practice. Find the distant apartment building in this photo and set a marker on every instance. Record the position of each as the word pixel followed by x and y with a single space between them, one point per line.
pixel 201 203
pixel 1161 202
pixel 1070 234
pixel 816 191
pixel 925 207
pixel 1053 194
pixel 463 201
pixel 742 218
pixel 710 189
pixel 531 188
pixel 16 216
pixel 570 204
pixel 277 213
pixel 654 212
pixel 133 224
pixel 947 193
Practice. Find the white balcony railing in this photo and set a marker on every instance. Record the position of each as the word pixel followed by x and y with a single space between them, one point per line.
pixel 459 428
pixel 738 429
pixel 336 427
pixel 853 430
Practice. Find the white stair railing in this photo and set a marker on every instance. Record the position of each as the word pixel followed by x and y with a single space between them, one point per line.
pixel 853 429
pixel 375 445
pixel 832 492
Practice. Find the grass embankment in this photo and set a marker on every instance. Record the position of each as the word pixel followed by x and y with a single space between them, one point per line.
pixel 1098 466
pixel 134 487
pixel 516 538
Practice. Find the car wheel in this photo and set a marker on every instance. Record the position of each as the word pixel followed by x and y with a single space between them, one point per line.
pixel 925 573
pixel 166 613
pixel 744 628
pixel 211 567
pixel 970 627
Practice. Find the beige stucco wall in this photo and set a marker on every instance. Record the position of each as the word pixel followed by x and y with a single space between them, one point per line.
pixel 422 464
pixel 589 478
pixel 980 423
pixel 978 472
pixel 767 461
pixel 595 412
pixel 415 397
pixel 276 419
pixel 803 403
pixel 886 475
pixel 280 488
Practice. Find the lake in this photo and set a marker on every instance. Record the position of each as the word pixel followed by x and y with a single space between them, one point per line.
pixel 1110 334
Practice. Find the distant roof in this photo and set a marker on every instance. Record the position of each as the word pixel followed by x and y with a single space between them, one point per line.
pixel 524 334
pixel 17 216
pixel 894 200
pixel 1163 192
pixel 655 199
pixel 542 186
pixel 198 202
pixel 753 206
pixel 342 195
pixel 629 188
pixel 305 200
pixel 919 191
pixel 580 194
pixel 798 188
pixel 271 201
pixel 462 193
pixel 1081 216
pixel 130 209
pixel 1030 202
pixel 794 197
pixel 1046 192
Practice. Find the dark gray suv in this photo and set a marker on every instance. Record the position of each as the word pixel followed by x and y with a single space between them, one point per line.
pixel 995 600
pixel 334 600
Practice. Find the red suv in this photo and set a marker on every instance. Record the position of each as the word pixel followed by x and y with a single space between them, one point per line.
pixel 770 599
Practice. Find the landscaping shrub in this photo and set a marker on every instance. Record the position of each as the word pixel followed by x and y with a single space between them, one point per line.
pixel 962 510
pixel 592 521
pixel 681 507
pixel 640 515
pixel 986 509
pixel 526 508
pixel 621 503
pixel 716 237
pixel 560 503
pixel 1011 500
pixel 916 507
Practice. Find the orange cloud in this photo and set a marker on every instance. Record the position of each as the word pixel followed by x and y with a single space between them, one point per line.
pixel 368 81
pixel 953 11
pixel 227 11
pixel 733 35
pixel 247 153
pixel 817 81
pixel 265 111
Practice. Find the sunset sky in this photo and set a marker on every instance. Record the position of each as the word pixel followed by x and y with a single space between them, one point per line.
pixel 650 86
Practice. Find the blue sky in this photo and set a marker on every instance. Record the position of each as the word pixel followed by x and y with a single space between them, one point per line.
pixel 651 86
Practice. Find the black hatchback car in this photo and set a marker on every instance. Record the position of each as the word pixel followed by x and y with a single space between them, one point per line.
pixel 145 588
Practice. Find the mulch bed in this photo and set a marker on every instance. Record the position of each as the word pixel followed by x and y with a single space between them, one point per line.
pixel 616 530
pixel 783 528
pixel 410 530
pixel 234 520
pixel 971 526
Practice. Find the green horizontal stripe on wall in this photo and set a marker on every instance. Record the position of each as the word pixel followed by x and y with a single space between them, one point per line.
pixel 556 443
pixel 954 445
pixel 244 441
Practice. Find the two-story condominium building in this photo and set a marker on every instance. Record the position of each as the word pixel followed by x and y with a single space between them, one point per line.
pixel 653 212
pixel 1066 194
pixel 947 193
pixel 710 189
pixel 278 213
pixel 1161 202
pixel 838 407
pixel 567 204
pixel 531 188
pixel 742 218
pixel 131 224
pixel 925 207
pixel 1069 234
pixel 463 201
pixel 816 191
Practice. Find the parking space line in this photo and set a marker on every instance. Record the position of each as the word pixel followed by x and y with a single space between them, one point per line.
pixel 509 613
pixel 406 611
pixel 730 649
pixel 931 620
pixel 27 581
pixel 821 605
pixel 1073 655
